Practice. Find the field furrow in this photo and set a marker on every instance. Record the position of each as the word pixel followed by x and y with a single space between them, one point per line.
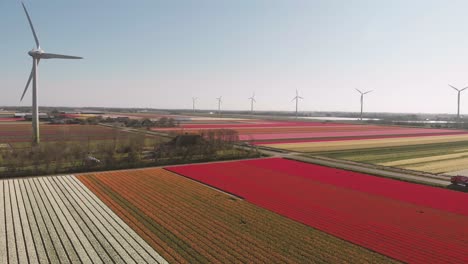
pixel 57 220
pixel 137 243
pixel 190 219
pixel 3 237
pixel 49 224
pixel 417 224
pixel 22 253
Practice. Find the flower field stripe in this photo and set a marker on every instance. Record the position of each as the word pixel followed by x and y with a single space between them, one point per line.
pixel 33 254
pixel 368 143
pixel 132 222
pixel 132 219
pixel 75 250
pixel 169 237
pixel 105 252
pixel 26 250
pixel 218 230
pixel 43 221
pixel 139 189
pixel 83 249
pixel 120 252
pixel 287 140
pixel 408 192
pixel 49 246
pixel 10 228
pixel 3 237
pixel 347 134
pixel 137 243
pixel 63 252
pixel 181 205
pixel 35 241
pixel 129 256
pixel 357 207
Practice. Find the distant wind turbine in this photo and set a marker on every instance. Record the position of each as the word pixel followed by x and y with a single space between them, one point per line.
pixel 362 100
pixel 37 54
pixel 458 109
pixel 297 97
pixel 194 100
pixel 252 100
pixel 219 104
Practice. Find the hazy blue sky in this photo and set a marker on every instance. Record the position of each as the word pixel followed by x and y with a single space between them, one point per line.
pixel 148 53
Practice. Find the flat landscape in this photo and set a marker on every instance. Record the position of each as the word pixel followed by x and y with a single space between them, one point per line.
pixel 276 133
pixel 58 220
pixel 22 132
pixel 419 149
pixel 416 224
pixel 233 132
pixel 434 158
pixel 187 222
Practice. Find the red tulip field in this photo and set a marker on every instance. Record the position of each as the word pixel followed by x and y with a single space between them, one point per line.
pixel 408 222
pixel 188 222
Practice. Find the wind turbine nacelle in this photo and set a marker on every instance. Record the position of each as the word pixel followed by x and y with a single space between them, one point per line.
pixel 36 53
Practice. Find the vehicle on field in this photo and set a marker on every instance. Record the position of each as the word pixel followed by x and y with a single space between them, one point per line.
pixel 460 180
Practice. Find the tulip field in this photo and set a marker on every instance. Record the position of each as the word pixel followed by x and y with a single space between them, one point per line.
pixel 188 222
pixel 297 135
pixel 338 145
pixel 434 158
pixel 58 220
pixel 407 222
pixel 23 132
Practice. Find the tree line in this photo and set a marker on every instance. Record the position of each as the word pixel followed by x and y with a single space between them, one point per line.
pixel 78 156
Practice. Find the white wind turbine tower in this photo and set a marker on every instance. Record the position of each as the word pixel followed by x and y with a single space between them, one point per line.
pixel 362 100
pixel 458 109
pixel 297 97
pixel 219 104
pixel 252 100
pixel 37 54
pixel 194 100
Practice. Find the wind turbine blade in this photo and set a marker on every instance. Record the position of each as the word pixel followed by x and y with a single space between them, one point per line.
pixel 359 91
pixel 367 92
pixel 58 56
pixel 294 98
pixel 463 89
pixel 27 85
pixel 454 88
pixel 301 97
pixel 31 25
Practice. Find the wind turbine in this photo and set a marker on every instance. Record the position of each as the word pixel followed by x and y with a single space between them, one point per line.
pixel 194 99
pixel 219 104
pixel 459 91
pixel 37 54
pixel 252 100
pixel 362 100
pixel 297 97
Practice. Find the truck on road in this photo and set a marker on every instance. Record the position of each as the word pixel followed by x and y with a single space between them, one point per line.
pixel 459 180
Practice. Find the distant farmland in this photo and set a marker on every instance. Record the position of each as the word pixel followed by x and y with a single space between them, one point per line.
pixel 22 133
pixel 435 158
pixel 336 145
pixel 275 133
